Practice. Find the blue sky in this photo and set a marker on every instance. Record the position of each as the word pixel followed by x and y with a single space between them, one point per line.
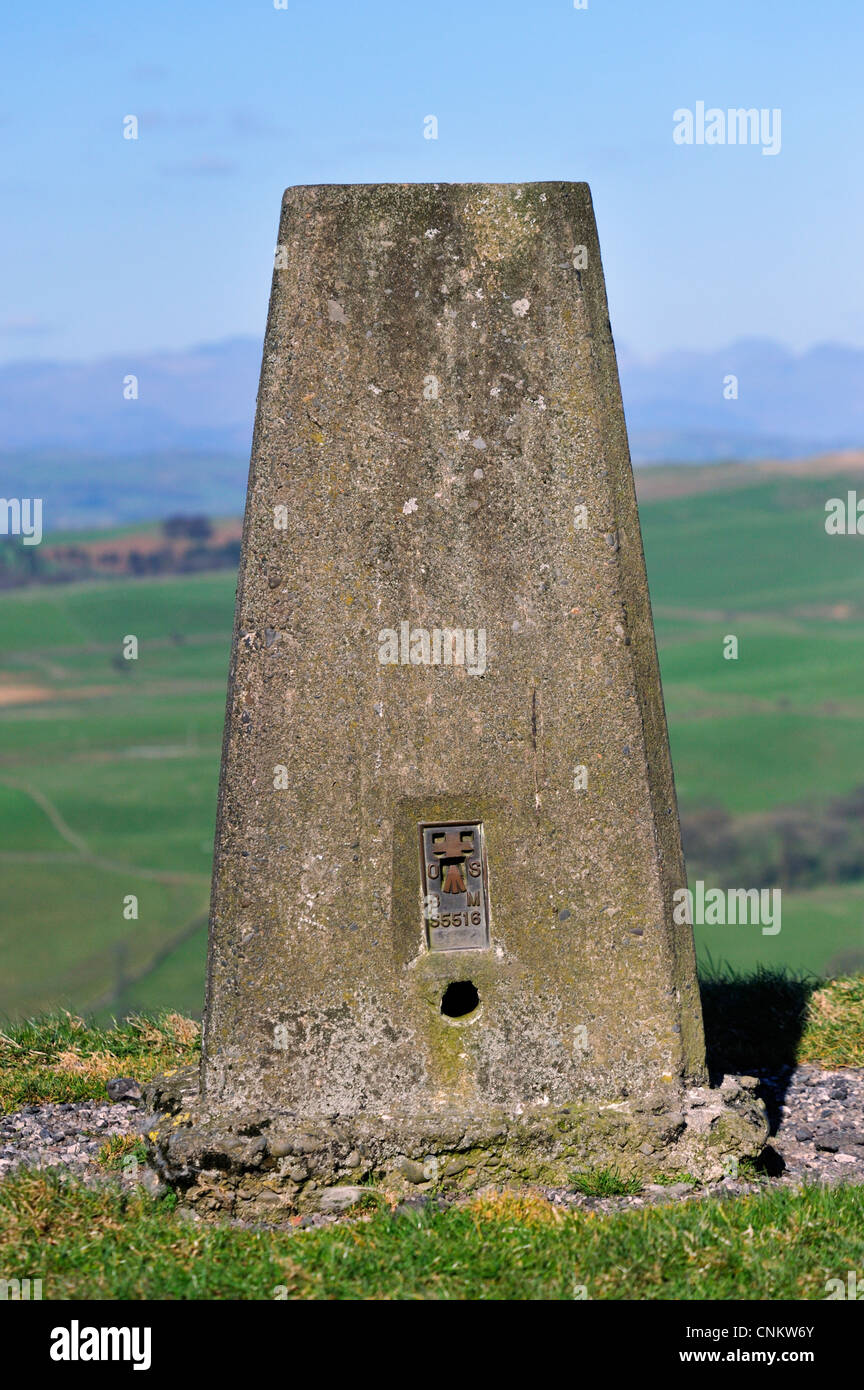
pixel 111 245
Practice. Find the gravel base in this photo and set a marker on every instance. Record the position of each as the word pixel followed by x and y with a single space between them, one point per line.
pixel 66 1136
pixel 817 1135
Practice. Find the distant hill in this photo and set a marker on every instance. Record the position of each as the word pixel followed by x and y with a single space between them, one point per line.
pixel 183 445
pixel 95 490
pixel 788 405
pixel 201 399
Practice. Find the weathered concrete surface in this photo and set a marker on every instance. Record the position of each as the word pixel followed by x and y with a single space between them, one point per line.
pixel 440 443
pixel 261 1166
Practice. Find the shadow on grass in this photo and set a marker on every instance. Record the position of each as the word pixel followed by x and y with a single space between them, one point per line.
pixel 753 1025
pixel 754 1021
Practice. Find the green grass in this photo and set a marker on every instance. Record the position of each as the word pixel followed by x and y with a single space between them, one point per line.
pixel 64 1058
pixel 104 1244
pixel 604 1182
pixel 116 1151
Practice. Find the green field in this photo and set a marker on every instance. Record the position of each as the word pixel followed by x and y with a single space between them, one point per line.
pixel 108 789
pixel 108 768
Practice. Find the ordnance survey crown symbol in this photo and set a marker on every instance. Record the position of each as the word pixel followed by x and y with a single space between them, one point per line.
pixel 455 888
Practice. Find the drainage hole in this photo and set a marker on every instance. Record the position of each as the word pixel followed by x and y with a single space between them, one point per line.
pixel 459 999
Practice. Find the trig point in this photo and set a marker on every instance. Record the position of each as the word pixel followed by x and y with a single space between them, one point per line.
pixel 442 950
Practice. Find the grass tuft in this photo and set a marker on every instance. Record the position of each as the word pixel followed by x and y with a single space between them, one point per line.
pixel 527 1208
pixel 116 1151
pixel 604 1182
pixel 64 1058
pixel 834 1027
